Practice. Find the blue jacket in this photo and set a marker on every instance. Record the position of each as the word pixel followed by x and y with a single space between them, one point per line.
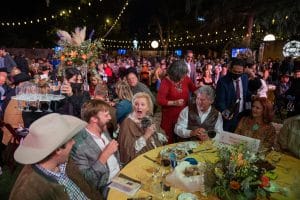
pixel 225 92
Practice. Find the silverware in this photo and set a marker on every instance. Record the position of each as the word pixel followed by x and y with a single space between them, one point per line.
pixel 140 198
pixel 147 157
pixel 129 178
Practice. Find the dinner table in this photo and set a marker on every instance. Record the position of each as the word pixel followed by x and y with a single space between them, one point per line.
pixel 144 166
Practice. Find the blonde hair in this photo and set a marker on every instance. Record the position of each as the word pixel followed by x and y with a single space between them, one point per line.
pixel 123 90
pixel 145 96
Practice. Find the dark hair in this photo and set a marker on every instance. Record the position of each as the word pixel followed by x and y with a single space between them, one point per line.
pixel 177 70
pixel 268 112
pixel 70 72
pixel 238 61
pixel 254 85
pixel 131 70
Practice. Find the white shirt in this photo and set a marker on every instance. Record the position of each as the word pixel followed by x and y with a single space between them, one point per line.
pixel 241 93
pixel 182 122
pixel 263 90
pixel 189 68
pixel 112 162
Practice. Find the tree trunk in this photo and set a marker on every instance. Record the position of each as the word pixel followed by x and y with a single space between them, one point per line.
pixel 247 39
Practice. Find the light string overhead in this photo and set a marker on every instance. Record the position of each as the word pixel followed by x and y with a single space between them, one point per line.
pixel 43 19
pixel 116 20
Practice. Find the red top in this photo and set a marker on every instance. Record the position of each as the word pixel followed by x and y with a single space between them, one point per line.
pixel 168 91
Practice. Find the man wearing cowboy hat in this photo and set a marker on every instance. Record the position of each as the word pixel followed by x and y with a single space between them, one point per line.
pixel 95 153
pixel 45 151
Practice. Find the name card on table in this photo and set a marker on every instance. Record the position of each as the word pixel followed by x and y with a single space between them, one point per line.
pixel 232 138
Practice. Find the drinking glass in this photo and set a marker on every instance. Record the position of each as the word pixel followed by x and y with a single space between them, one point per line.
pixel 19 97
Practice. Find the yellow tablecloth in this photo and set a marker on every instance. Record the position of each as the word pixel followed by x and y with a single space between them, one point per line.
pixel 288 170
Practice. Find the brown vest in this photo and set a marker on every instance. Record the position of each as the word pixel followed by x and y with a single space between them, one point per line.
pixel 195 122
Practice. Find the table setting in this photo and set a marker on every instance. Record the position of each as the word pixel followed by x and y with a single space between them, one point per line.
pixel 210 170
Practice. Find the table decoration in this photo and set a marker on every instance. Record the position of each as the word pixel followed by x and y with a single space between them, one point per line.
pixel 242 174
pixel 78 52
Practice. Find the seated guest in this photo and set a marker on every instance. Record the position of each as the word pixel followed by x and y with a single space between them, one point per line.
pixel 258 125
pixel 72 89
pixel 199 116
pixel 136 137
pixel 289 136
pixel 124 106
pixel 137 86
pixel 95 153
pixel 45 151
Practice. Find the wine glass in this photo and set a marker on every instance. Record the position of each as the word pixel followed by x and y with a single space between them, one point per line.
pixel 37 93
pixel 19 96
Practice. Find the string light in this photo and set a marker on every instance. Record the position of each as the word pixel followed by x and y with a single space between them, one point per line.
pixel 117 19
pixel 37 20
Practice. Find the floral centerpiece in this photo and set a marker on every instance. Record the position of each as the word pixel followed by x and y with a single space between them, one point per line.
pixel 242 174
pixel 76 51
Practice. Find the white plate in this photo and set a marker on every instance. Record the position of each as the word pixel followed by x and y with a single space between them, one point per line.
pixel 187 196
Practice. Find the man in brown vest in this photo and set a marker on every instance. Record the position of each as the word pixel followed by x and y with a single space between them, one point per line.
pixel 199 117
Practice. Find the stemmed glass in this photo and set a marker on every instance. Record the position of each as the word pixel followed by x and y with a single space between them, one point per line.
pixel 36 91
pixel 27 97
pixel 19 97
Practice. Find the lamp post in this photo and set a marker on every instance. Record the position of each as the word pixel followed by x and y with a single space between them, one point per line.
pixel 154 44
pixel 267 38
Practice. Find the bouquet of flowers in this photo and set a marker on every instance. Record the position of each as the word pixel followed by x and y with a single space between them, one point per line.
pixel 76 50
pixel 242 174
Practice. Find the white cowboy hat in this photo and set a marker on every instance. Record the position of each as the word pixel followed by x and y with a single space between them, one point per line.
pixel 46 135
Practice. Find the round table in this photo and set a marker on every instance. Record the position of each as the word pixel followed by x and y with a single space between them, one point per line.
pixel 287 169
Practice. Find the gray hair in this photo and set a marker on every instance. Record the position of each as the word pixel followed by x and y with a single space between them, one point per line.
pixel 208 91
pixel 177 70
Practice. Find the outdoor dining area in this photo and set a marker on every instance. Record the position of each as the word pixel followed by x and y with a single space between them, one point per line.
pixel 159 180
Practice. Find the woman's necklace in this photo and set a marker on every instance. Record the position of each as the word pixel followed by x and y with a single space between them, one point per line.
pixel 178 86
pixel 255 127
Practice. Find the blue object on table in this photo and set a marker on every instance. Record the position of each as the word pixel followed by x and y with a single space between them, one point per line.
pixel 192 161
pixel 173 160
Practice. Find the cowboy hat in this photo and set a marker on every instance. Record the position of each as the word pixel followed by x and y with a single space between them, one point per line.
pixel 46 135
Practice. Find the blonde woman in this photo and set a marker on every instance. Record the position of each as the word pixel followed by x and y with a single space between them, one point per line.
pixel 124 106
pixel 137 132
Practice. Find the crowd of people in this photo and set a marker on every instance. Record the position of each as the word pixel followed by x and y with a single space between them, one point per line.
pixel 96 130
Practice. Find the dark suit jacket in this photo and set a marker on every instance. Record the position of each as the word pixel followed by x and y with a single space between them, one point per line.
pixel 226 96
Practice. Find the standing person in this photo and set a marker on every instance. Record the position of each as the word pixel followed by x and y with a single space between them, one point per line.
pixel 232 95
pixel 95 153
pixel 173 96
pixel 190 65
pixel 45 151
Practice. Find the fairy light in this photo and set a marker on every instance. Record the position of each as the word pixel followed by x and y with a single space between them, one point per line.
pixel 45 18
pixel 117 19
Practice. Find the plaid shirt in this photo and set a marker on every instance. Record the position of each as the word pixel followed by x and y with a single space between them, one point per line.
pixel 62 178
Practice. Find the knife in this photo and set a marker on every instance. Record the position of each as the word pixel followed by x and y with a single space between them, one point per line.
pixel 147 157
pixel 129 178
